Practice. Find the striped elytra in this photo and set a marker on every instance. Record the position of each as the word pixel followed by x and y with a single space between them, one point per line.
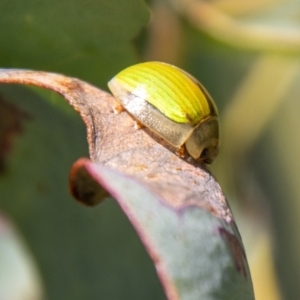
pixel 173 104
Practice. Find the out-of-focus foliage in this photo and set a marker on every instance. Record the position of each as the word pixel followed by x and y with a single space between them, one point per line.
pixel 85 39
pixel 246 53
pixel 19 279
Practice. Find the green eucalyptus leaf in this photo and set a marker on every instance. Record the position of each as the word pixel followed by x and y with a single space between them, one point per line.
pixel 197 255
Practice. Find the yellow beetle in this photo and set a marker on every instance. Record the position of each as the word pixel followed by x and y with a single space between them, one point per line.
pixel 173 104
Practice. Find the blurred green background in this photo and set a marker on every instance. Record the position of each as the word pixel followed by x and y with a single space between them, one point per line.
pixel 246 53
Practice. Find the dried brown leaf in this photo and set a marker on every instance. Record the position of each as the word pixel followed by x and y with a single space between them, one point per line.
pixel 114 141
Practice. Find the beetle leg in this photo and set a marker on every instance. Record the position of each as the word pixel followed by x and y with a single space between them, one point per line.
pixel 181 151
pixel 138 125
pixel 118 108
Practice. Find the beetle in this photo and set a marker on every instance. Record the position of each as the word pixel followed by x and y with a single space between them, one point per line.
pixel 173 104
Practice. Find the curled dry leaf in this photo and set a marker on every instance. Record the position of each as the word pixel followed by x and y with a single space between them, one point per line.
pixel 188 206
pixel 114 141
pixel 253 29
